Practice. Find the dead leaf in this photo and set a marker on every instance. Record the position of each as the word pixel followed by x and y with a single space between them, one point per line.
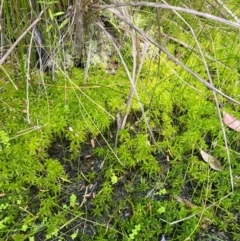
pixel 231 121
pixel 186 202
pixel 168 159
pixel 93 143
pixel 205 222
pixel 212 161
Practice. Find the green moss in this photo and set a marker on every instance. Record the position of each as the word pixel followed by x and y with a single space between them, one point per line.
pixel 140 189
pixel 181 118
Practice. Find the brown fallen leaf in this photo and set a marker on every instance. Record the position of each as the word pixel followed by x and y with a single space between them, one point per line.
pixel 205 222
pixel 93 143
pixel 186 202
pixel 231 121
pixel 212 161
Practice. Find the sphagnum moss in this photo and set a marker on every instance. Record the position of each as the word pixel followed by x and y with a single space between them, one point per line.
pixel 116 192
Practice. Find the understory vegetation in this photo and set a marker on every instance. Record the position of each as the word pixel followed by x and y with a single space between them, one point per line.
pixel 111 143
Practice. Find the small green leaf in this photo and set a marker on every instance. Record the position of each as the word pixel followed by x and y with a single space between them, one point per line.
pixel 161 210
pixel 114 179
pixel 58 14
pixel 74 235
pixel 134 232
pixel 162 191
pixel 24 227
pixel 64 23
pixel 131 236
pixel 138 227
pixel 50 14
pixel 2 226
pixel 73 199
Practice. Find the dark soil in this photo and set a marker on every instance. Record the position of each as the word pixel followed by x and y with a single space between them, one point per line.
pixel 85 192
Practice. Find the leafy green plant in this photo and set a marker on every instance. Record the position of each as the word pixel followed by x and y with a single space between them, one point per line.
pixel 135 231
pixel 4 139
pixel 148 178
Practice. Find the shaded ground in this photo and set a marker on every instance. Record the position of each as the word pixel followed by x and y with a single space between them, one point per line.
pixel 87 177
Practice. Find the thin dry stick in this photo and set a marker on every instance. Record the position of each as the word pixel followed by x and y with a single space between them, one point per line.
pixel 88 57
pixel 221 3
pixel 173 58
pixel 165 6
pixel 134 71
pixel 27 80
pixel 185 45
pixel 19 39
pixel 79 33
pixel 131 94
pixel 214 94
pixel 133 85
pixel 1 33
